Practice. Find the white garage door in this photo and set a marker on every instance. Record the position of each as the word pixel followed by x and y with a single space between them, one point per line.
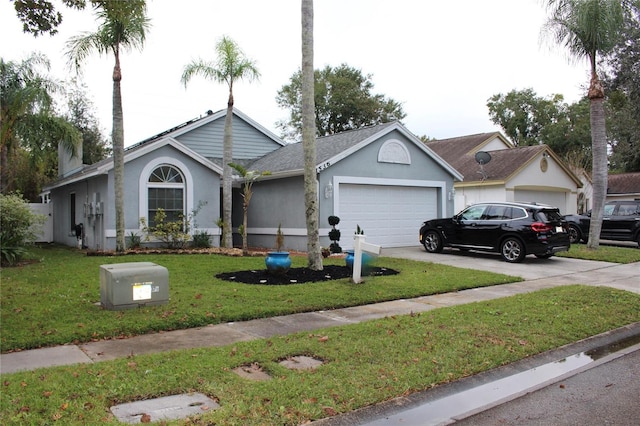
pixel 556 199
pixel 390 215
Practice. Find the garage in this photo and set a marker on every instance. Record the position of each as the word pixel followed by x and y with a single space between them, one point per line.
pixel 556 199
pixel 389 214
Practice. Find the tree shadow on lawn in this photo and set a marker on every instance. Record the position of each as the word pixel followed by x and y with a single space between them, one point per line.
pixel 299 275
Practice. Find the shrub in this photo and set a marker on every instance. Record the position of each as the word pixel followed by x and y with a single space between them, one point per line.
pixel 172 234
pixel 135 240
pixel 201 239
pixel 19 227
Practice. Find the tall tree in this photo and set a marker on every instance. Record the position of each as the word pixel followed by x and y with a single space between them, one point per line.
pixel 40 16
pixel 81 113
pixel 314 255
pixel 623 84
pixel 231 65
pixel 30 128
pixel 589 29
pixel 123 25
pixel 529 119
pixel 342 101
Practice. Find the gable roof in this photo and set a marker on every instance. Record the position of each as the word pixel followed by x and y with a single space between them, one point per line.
pixel 452 148
pixel 624 183
pixel 210 116
pixel 504 164
pixel 104 166
pixel 289 160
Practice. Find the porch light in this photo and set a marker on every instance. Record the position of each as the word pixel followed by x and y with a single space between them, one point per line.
pixel 328 190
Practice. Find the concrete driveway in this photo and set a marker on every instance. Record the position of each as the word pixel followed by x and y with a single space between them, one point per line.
pixel 558 269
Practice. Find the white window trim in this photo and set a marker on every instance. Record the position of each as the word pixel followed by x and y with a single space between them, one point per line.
pixel 144 180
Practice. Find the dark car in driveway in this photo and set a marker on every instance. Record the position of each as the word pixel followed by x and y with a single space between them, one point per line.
pixel 512 229
pixel 620 222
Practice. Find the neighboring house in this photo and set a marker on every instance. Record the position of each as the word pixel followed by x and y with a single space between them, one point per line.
pixel 624 186
pixel 381 178
pixel 178 170
pixel 495 170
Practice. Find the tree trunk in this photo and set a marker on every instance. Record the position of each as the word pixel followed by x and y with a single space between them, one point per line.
pixel 599 149
pixel 314 255
pixel 118 156
pixel 227 158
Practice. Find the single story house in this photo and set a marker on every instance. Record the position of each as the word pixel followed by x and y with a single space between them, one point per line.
pixel 382 178
pixel 495 170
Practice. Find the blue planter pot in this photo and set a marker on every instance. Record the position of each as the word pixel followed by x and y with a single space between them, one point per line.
pixel 366 260
pixel 278 262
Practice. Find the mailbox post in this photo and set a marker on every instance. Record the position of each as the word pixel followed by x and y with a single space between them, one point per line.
pixel 359 245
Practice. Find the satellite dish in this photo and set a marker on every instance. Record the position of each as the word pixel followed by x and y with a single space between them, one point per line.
pixel 483 157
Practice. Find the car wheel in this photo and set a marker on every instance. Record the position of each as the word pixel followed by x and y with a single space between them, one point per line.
pixel 544 256
pixel 512 250
pixel 574 234
pixel 432 242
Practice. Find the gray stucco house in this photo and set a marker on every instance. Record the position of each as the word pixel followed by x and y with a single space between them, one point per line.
pixel 382 178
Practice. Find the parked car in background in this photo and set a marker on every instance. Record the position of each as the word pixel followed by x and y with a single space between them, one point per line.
pixel 512 229
pixel 621 222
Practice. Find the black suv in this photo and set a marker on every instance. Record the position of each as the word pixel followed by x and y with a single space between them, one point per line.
pixel 621 222
pixel 512 229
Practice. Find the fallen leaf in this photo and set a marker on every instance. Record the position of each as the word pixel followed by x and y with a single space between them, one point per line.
pixel 64 406
pixel 522 342
pixel 199 296
pixel 323 339
pixel 46 394
pixel 145 418
pixel 329 411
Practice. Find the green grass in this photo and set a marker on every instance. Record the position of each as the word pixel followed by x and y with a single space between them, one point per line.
pixel 604 253
pixel 54 301
pixel 364 364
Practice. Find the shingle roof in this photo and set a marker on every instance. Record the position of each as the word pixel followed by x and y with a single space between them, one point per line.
pixel 291 157
pixel 624 183
pixel 460 153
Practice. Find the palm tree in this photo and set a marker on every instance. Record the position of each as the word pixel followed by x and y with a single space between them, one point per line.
pixel 123 25
pixel 589 28
pixel 27 118
pixel 231 65
pixel 314 255
pixel 249 177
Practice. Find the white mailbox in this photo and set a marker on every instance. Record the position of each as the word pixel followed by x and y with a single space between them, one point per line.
pixel 134 284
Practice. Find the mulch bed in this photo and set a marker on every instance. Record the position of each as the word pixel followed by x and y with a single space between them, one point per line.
pixel 299 275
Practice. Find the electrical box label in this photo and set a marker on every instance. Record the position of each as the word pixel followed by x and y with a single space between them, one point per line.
pixel 142 291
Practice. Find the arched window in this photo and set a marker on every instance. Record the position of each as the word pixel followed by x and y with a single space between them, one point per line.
pixel 165 189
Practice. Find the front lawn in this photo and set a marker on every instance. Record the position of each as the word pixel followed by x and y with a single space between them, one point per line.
pixel 56 300
pixel 605 253
pixel 364 363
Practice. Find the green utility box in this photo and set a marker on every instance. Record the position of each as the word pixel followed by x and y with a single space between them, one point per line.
pixel 132 285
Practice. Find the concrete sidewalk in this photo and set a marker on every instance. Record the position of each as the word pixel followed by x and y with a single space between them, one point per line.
pixel 539 274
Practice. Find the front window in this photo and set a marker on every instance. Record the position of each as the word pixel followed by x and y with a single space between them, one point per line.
pixel 166 192
pixel 473 213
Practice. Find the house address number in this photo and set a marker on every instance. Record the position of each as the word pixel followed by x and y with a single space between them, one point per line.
pixel 323 166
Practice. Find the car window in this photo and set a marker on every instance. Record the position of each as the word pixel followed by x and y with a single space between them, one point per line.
pixel 549 215
pixel 627 209
pixel 518 213
pixel 497 213
pixel 472 213
pixel 608 209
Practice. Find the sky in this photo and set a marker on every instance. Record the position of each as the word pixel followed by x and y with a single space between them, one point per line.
pixel 441 59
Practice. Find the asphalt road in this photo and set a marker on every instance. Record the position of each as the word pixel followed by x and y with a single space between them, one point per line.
pixel 608 394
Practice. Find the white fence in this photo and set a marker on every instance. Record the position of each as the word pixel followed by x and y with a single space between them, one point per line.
pixel 46 236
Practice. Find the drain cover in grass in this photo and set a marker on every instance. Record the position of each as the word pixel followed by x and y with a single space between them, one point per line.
pixel 252 372
pixel 301 363
pixel 165 408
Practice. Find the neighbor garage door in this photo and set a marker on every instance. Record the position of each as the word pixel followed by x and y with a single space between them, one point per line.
pixel 390 215
pixel 556 199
